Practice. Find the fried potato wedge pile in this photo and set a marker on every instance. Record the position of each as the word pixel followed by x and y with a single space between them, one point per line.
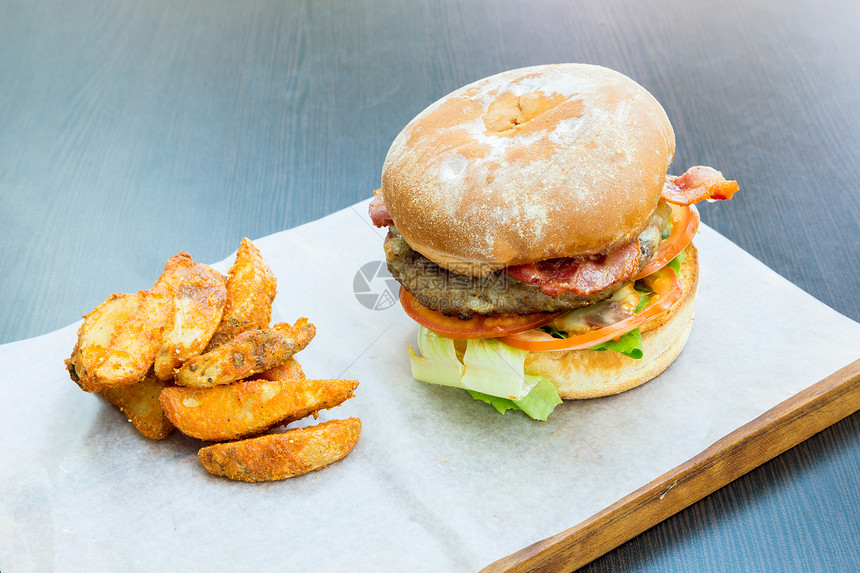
pixel 197 352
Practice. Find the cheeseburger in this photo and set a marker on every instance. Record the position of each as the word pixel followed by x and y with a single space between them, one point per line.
pixel 538 240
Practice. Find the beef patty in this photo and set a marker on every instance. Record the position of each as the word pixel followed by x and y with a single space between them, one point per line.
pixel 460 295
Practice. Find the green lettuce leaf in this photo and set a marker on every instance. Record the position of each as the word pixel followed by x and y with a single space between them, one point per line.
pixel 644 301
pixel 667 231
pixel 629 344
pixel 553 332
pixel 488 369
pixel 538 403
pixel 497 369
pixel 438 363
pixel 675 264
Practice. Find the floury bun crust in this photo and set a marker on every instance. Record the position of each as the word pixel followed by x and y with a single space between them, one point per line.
pixel 528 165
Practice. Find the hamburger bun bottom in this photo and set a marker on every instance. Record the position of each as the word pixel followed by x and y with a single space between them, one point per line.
pixel 579 374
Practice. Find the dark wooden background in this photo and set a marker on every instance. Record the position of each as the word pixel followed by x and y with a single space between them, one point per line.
pixel 132 130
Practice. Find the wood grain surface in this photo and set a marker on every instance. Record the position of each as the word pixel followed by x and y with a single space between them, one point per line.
pixel 780 428
pixel 130 131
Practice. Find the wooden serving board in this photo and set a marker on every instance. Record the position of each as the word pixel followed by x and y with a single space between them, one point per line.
pixel 777 430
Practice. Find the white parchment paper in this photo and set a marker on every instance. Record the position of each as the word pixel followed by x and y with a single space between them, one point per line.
pixel 437 482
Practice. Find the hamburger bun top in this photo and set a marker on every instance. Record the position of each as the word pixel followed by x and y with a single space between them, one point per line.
pixel 527 165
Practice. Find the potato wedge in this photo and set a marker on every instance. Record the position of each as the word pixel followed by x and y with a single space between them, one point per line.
pixel 279 456
pixel 250 407
pixel 197 309
pixel 139 402
pixel 250 353
pixel 251 288
pixel 135 342
pixel 290 370
pixel 94 337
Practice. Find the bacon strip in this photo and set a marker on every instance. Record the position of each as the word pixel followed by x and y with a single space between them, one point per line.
pixel 581 275
pixel 696 184
pixel 378 211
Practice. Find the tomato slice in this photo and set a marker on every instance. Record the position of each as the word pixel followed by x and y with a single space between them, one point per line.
pixel 685 222
pixel 667 291
pixel 476 327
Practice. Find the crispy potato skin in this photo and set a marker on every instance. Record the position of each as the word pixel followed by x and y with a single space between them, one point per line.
pixel 95 334
pixel 250 353
pixel 250 407
pixel 139 402
pixel 279 456
pixel 290 370
pixel 251 288
pixel 135 342
pixel 197 309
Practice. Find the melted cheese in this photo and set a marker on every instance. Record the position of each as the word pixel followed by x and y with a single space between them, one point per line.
pixel 617 307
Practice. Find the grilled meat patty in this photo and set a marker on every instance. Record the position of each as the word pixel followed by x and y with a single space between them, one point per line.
pixel 460 295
